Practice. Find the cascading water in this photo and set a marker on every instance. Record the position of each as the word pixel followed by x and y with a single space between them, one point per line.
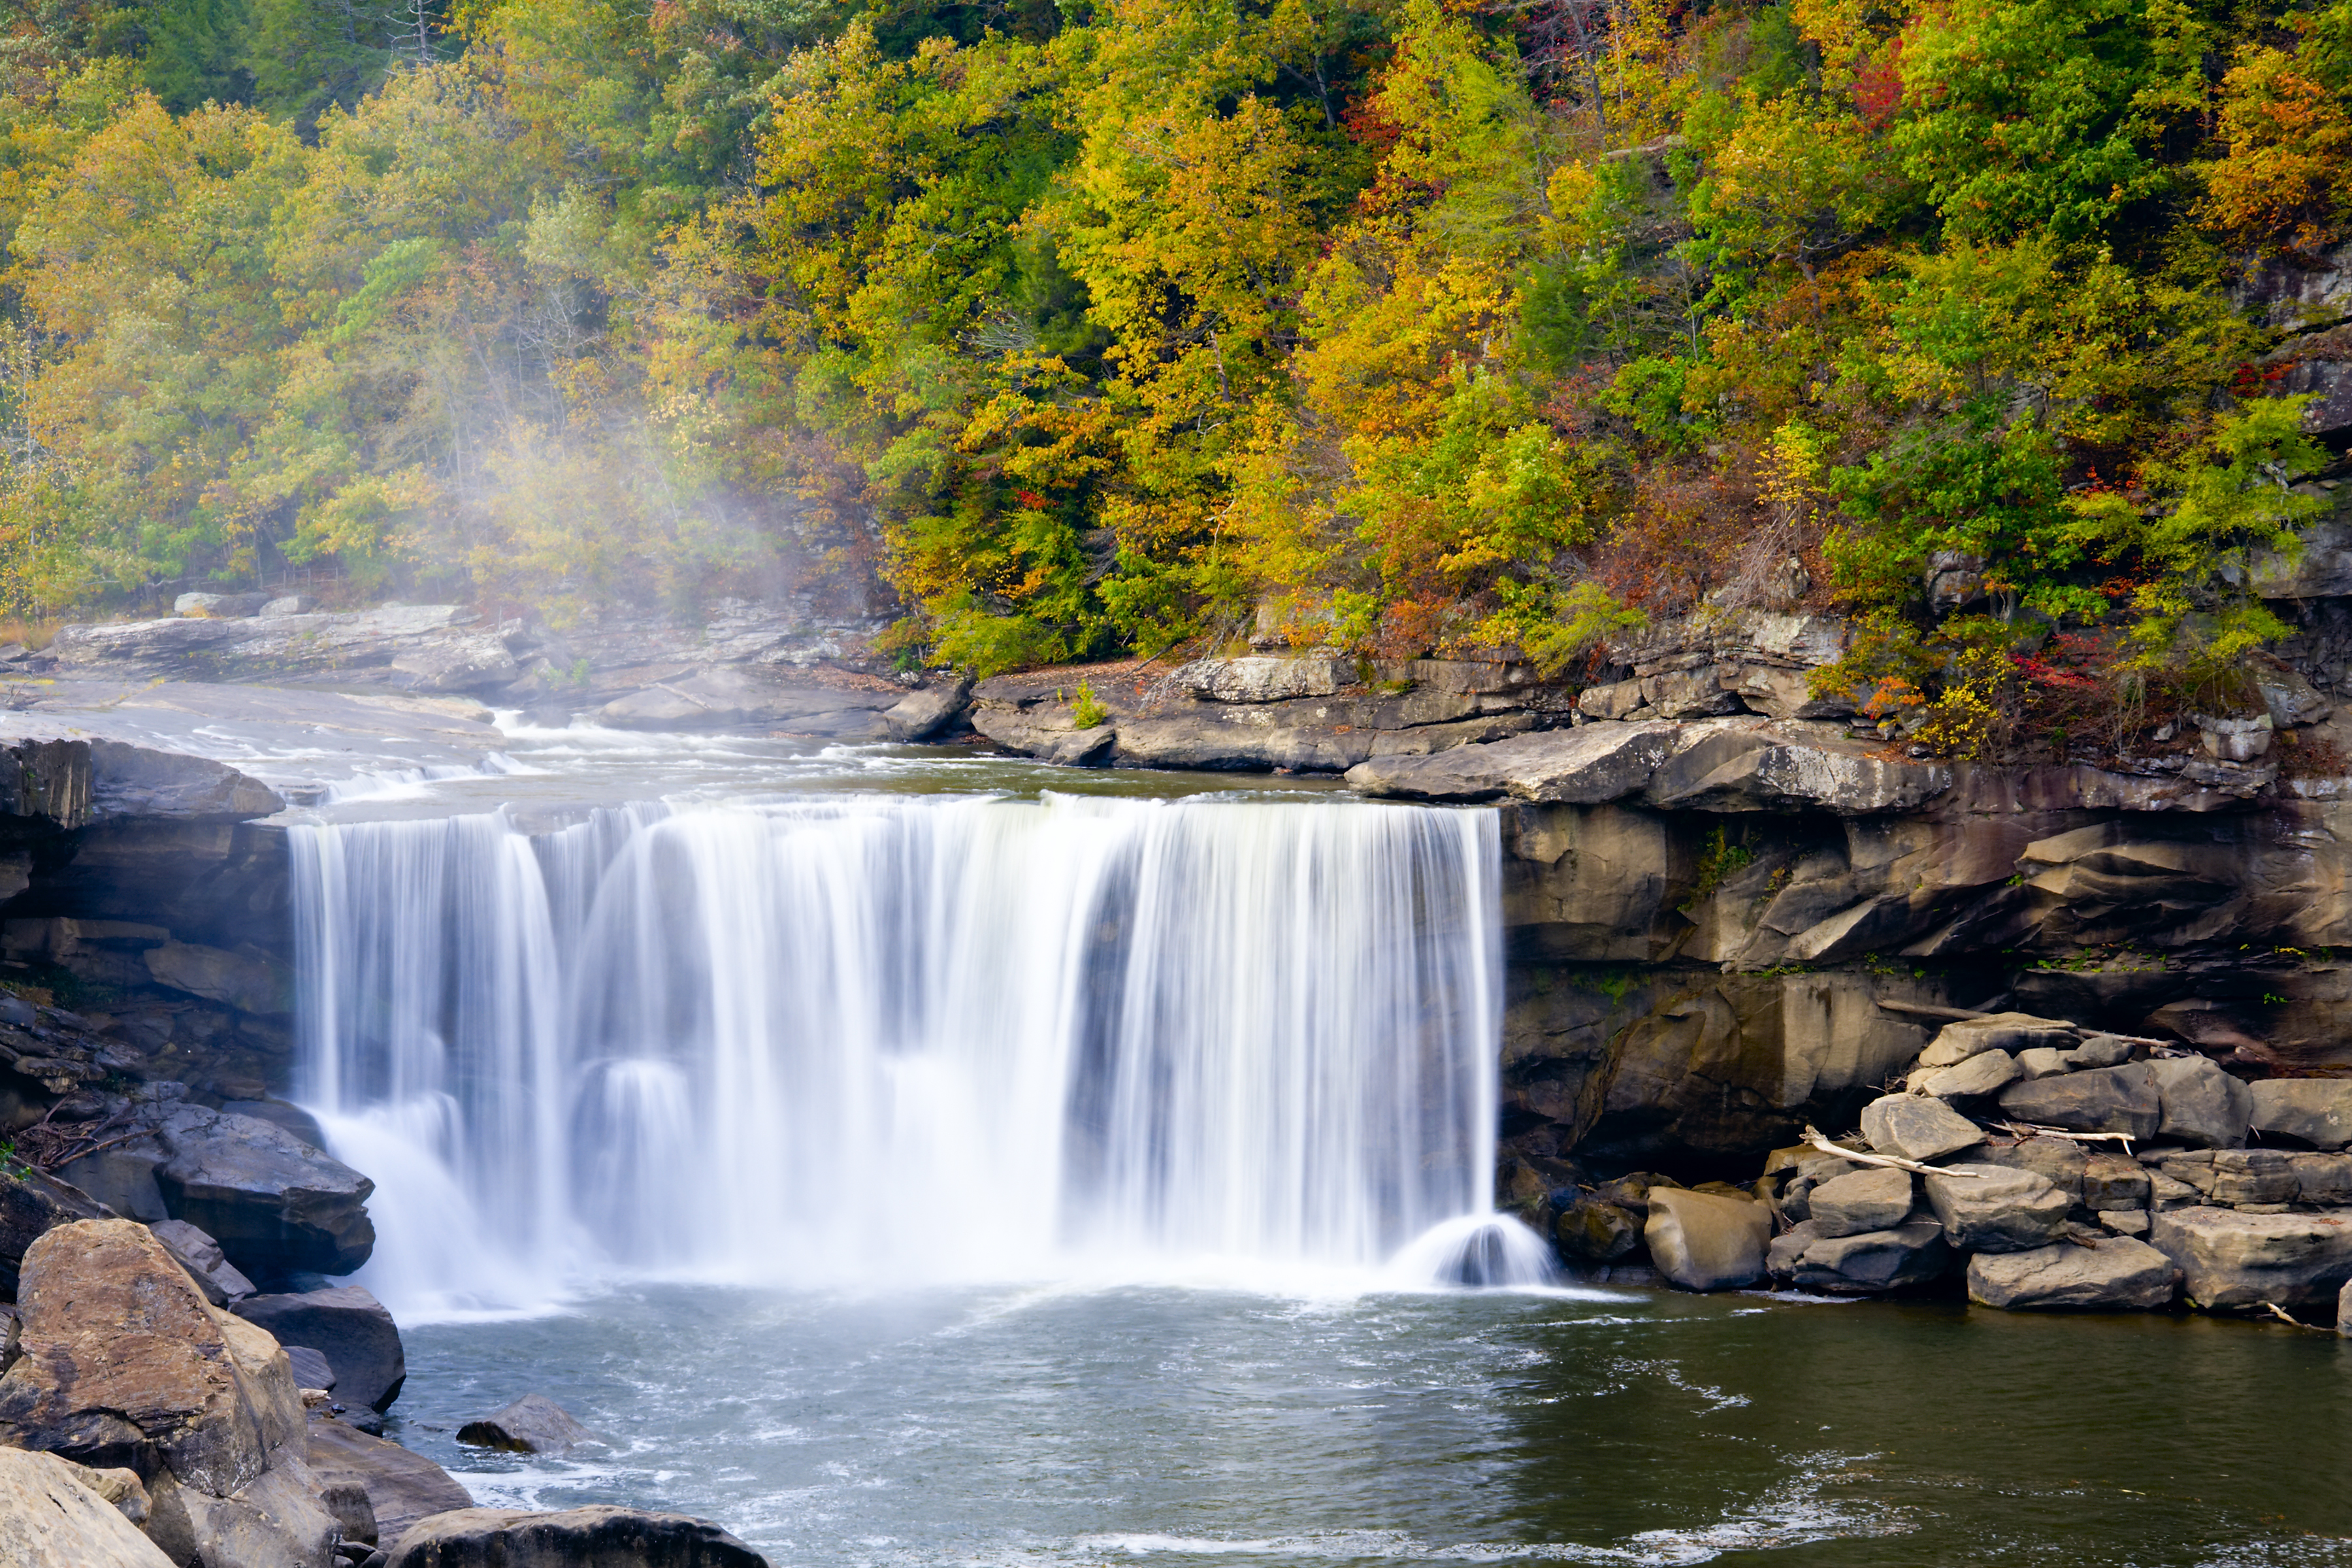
pixel 850 1039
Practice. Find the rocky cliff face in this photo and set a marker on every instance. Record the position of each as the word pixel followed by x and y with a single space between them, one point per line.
pixel 1706 919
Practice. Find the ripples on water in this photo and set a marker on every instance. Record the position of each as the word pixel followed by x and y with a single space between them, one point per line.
pixel 1164 1426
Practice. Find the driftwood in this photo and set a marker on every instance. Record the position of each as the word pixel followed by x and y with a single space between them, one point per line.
pixel 2280 1312
pixel 1818 1140
pixel 2034 1129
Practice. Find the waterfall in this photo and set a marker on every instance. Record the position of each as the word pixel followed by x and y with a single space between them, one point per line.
pixel 854 1038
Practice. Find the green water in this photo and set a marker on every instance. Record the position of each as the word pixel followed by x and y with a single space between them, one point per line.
pixel 1159 1427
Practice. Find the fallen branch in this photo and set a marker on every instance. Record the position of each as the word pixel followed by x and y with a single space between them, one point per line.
pixel 1818 1140
pixel 2279 1313
pixel 2035 1129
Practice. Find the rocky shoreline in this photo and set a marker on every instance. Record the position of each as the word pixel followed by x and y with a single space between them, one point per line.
pixel 182 1381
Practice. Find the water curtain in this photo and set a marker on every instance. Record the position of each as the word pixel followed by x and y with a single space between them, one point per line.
pixel 853 1038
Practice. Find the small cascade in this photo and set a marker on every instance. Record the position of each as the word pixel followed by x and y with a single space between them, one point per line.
pixel 1475 1251
pixel 853 1039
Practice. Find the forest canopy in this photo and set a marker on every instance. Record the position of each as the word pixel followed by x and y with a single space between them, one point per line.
pixel 1066 331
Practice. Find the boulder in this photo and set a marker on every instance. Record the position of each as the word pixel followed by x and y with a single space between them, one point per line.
pixel 33 1204
pixel 2344 1311
pixel 275 1203
pixel 1916 1128
pixel 279 1519
pixel 2041 1061
pixel 919 715
pixel 349 1327
pixel 2234 1177
pixel 401 1487
pixel 2113 1274
pixel 2230 1259
pixel 52 1517
pixel 456 662
pixel 1871 1261
pixel 1995 1208
pixel 2198 1104
pixel 1813 1169
pixel 575 1537
pixel 125 1364
pixel 1258 677
pixel 1586 766
pixel 2114 1182
pixel 1704 1242
pixel 531 1425
pixel 2105 1099
pixel 202 1257
pixel 310 1369
pixel 1596 1231
pixel 2313 1110
pixel 2057 1160
pixel 121 1487
pixel 2012 1031
pixel 2166 1193
pixel 2247 1176
pixel 1874 1199
pixel 1987 1072
pixel 2100 1052
pixel 2322 1180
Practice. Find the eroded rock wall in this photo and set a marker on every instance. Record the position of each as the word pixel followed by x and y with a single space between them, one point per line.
pixel 1687 988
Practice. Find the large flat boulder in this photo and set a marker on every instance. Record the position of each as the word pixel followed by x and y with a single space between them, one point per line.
pixel 2313 1110
pixel 2110 1274
pixel 1986 1207
pixel 1585 766
pixel 51 1517
pixel 2233 1260
pixel 275 1203
pixel 349 1327
pixel 2058 1161
pixel 2105 1099
pixel 1985 1073
pixel 1868 1263
pixel 1704 1242
pixel 575 1537
pixel 1866 1200
pixel 401 1487
pixel 1917 1127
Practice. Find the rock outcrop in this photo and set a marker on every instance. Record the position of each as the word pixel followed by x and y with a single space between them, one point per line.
pixel 124 1364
